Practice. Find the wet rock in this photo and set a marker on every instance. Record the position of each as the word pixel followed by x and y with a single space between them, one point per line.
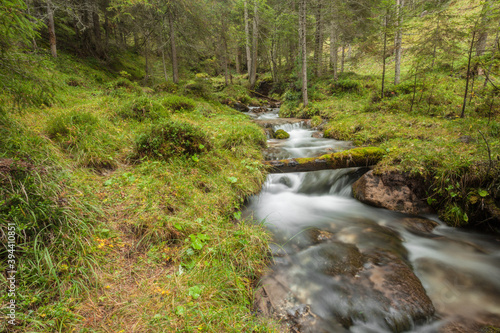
pixel 402 291
pixel 236 105
pixel 482 323
pixel 393 191
pixel 418 224
pixel 333 258
pixel 317 135
pixel 319 236
pixel 281 134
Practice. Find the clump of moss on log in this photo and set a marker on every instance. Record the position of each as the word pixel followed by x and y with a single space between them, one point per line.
pixel 357 157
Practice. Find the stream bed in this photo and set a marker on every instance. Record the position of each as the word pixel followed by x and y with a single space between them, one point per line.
pixel 343 266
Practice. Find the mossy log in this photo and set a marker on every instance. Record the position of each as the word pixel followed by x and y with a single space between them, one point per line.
pixel 357 157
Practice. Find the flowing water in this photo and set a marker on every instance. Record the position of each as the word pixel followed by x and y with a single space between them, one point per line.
pixel 339 257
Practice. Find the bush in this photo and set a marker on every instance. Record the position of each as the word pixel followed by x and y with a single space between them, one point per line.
pixel 198 87
pixel 81 134
pixel 245 135
pixel 168 87
pixel 346 85
pixel 178 103
pixel 123 84
pixel 142 108
pixel 171 138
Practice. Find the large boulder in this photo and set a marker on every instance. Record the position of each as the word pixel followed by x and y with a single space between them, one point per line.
pixel 393 191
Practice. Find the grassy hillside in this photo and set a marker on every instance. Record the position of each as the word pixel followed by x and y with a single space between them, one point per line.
pixel 126 204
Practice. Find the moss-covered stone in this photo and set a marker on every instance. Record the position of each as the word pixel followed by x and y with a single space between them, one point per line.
pixel 281 134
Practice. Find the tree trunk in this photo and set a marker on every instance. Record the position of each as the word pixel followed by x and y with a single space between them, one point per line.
pixel 357 157
pixel 146 67
pixel 303 48
pixel 52 31
pixel 318 40
pixel 237 60
pixel 334 48
pixel 383 57
pixel 97 32
pixel 175 69
pixel 483 33
pixel 342 61
pixel 398 41
pixel 224 52
pixel 255 36
pixel 106 29
pixel 462 115
pixel 247 41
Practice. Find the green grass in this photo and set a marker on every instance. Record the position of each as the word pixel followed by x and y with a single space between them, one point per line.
pixel 127 202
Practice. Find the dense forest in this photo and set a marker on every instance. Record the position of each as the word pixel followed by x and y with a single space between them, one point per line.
pixel 126 159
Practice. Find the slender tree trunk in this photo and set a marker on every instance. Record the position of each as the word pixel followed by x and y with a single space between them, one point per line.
pixel 175 69
pixel 462 115
pixel 343 59
pixel 255 37
pixel 237 60
pixel 398 41
pixel 247 41
pixel 496 48
pixel 334 48
pixel 414 89
pixel 303 48
pixel 106 29
pixel 146 56
pixel 52 31
pixel 383 57
pixel 162 47
pixel 483 33
pixel 136 41
pixel 318 39
pixel 224 52
pixel 97 32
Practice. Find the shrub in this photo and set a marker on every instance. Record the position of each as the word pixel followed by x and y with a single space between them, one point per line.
pixel 316 121
pixel 178 103
pixel 168 87
pixel 123 84
pixel 142 108
pixel 198 87
pixel 346 85
pixel 171 138
pixel 245 135
pixel 81 134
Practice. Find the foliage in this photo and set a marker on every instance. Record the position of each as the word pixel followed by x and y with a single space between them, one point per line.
pixel 178 103
pixel 170 138
pixel 82 135
pixel 143 107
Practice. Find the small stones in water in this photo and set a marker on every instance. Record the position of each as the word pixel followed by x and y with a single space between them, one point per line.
pixel 281 134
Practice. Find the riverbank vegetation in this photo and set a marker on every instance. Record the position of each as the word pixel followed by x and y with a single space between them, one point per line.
pixel 124 164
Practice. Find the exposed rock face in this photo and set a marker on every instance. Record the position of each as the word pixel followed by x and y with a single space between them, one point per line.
pixel 392 191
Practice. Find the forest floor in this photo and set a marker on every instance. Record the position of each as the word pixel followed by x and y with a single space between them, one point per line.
pixel 135 234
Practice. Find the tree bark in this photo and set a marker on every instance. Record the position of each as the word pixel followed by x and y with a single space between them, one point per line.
pixel 247 40
pixel 237 60
pixel 342 61
pixel 175 69
pixel 334 47
pixel 52 31
pixel 255 36
pixel 357 157
pixel 398 41
pixel 462 115
pixel 383 56
pixel 318 39
pixel 303 48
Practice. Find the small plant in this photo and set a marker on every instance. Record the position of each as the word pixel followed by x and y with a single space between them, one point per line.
pixel 178 103
pixel 142 108
pixel 171 138
pixel 316 121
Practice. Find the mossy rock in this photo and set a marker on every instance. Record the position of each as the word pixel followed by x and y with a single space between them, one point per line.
pixel 281 134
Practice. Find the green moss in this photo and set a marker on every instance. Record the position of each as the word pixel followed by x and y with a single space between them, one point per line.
pixel 141 108
pixel 281 134
pixel 178 103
